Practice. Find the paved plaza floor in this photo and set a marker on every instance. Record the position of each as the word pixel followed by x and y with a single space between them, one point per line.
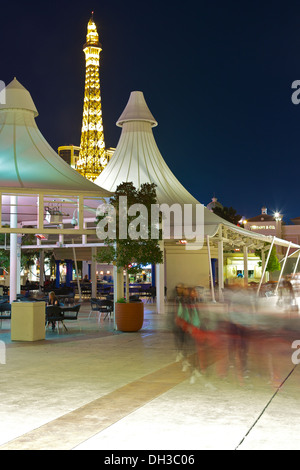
pixel 94 388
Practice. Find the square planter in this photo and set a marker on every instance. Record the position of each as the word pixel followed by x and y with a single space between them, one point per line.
pixel 27 321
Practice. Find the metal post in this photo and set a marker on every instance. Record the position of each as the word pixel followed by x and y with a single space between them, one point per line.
pixel 263 260
pixel 42 270
pixel 0 210
pixel 245 250
pixel 265 267
pixel 210 270
pixel 57 279
pixel 160 283
pixel 76 269
pixel 118 289
pixel 282 267
pixel 296 265
pixel 93 273
pixel 13 250
pixel 220 269
pixel 40 222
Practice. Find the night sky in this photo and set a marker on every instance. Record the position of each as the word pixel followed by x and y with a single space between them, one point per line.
pixel 216 75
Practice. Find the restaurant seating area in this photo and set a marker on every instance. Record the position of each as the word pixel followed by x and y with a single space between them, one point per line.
pixel 100 306
pixel 56 315
pixel 70 303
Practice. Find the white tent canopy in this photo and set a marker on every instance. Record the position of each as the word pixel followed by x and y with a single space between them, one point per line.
pixel 40 194
pixel 30 168
pixel 27 161
pixel 137 159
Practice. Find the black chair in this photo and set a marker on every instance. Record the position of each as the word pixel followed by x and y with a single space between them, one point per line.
pixel 94 306
pixel 106 306
pixel 71 312
pixel 5 312
pixel 86 290
pixel 66 298
pixel 54 316
pixel 134 298
pixel 151 294
pixel 101 305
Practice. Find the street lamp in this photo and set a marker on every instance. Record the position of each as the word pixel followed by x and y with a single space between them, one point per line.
pixel 277 216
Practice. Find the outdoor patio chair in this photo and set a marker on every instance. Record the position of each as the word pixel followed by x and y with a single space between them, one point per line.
pixel 94 306
pixel 5 312
pixel 99 306
pixel 55 316
pixel 106 306
pixel 151 294
pixel 134 298
pixel 66 298
pixel 70 313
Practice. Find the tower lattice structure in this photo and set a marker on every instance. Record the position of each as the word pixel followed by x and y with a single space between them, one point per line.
pixel 93 156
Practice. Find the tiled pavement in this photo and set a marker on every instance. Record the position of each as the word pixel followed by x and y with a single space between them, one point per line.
pixel 95 388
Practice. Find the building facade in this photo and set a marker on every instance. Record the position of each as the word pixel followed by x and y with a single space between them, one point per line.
pixel 70 154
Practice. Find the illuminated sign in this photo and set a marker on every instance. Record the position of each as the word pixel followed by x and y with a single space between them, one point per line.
pixel 263 227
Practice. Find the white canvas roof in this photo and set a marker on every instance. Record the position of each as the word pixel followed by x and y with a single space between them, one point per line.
pixel 137 159
pixel 27 161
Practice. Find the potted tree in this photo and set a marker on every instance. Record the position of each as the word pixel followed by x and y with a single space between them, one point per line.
pixel 129 244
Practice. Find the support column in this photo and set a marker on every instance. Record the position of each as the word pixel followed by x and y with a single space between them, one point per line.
pixel 118 288
pixel 13 270
pixel 160 283
pixel 213 267
pixel 77 274
pixel 210 270
pixel 265 267
pixel 220 270
pixel 40 214
pixel 245 250
pixel 282 267
pixel 84 237
pixel 153 282
pixel 41 283
pixel 69 274
pixel 263 261
pixel 1 210
pixel 19 242
pixel 61 236
pixel 57 281
pixel 296 265
pixel 93 273
pixel 85 270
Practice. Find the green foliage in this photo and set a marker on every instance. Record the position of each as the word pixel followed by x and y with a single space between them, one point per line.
pixel 28 257
pixel 228 213
pixel 4 254
pixel 4 259
pixel 273 263
pixel 128 252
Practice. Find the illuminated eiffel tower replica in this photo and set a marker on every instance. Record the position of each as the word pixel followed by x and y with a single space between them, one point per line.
pixel 93 156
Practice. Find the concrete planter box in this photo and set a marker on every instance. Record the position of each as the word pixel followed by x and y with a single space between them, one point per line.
pixel 27 321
